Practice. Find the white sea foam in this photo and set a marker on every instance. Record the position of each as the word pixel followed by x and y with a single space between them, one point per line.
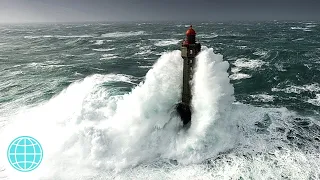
pixel 144 51
pixel 263 97
pixel 123 34
pixel 89 54
pixel 261 53
pixel 301 28
pixel 165 42
pixel 244 63
pixel 145 67
pixel 310 23
pixel 241 47
pixel 207 36
pixel 160 53
pixel 99 131
pixel 99 42
pixel 315 101
pixel 311 26
pixel 212 100
pixel 273 165
pixel 88 134
pixel 298 39
pixel 53 121
pixel 298 89
pixel 238 76
pixel 249 63
pixel 46 65
pixel 104 50
pixel 109 56
pixel 235 69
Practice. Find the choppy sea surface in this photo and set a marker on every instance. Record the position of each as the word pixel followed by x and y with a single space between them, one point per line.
pixel 99 98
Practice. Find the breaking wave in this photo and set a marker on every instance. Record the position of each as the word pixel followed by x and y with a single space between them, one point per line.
pixel 115 132
pixel 88 133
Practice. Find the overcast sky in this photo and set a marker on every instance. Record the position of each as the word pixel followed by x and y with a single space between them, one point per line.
pixel 15 11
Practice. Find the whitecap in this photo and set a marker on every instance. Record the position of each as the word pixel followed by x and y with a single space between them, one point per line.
pixel 261 53
pixel 298 39
pixel 238 76
pixel 99 42
pixel 311 26
pixel 207 36
pixel 263 97
pixel 249 63
pixel 123 34
pixel 165 42
pixel 145 67
pixel 145 52
pixel 109 56
pixel 298 89
pixel 301 28
pixel 241 47
pixel 235 69
pixel 315 101
pixel 104 50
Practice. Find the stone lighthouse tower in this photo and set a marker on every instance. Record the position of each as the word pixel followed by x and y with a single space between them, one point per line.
pixel 189 50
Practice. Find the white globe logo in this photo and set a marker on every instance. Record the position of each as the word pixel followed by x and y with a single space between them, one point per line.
pixel 25 153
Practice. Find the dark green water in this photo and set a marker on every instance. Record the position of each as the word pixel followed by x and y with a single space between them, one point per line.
pixel 281 58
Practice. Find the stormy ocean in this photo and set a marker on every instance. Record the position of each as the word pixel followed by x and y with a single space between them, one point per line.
pixel 99 98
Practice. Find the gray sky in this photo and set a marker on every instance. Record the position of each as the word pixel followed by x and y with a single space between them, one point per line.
pixel 15 11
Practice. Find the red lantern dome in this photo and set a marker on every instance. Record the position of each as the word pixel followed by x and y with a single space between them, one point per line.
pixel 190 31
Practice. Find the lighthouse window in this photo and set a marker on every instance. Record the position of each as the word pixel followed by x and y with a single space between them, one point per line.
pixel 190 51
pixel 190 60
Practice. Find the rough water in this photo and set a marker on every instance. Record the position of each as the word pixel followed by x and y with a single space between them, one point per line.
pixel 99 98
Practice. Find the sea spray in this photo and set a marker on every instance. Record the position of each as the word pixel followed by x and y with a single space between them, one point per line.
pixel 211 104
pixel 83 129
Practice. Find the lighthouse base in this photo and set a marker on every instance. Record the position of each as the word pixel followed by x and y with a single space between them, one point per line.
pixel 184 111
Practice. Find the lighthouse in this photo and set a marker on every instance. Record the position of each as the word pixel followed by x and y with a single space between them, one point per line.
pixel 189 50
